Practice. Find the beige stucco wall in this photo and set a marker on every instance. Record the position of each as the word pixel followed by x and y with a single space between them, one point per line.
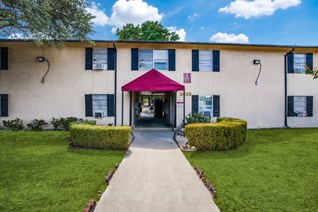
pixel 261 105
pixel 304 85
pixel 62 94
pixel 67 82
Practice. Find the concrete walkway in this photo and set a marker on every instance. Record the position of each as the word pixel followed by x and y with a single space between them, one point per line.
pixel 155 176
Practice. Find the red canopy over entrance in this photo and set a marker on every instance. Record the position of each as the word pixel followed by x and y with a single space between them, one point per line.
pixel 153 80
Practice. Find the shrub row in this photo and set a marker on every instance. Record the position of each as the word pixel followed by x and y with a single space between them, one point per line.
pixel 37 124
pixel 101 137
pixel 226 133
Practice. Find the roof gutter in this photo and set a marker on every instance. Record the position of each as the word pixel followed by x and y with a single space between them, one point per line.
pixel 285 84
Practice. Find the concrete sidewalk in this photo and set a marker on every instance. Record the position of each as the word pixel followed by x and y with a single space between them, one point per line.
pixel 155 176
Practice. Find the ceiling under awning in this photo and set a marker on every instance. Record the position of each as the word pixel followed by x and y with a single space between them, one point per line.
pixel 153 80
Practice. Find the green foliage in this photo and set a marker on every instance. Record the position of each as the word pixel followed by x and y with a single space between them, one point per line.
pixel 149 30
pixel 36 124
pixel 49 22
pixel 64 123
pixel 227 133
pixel 101 137
pixel 275 170
pixel 197 118
pixel 40 173
pixel 15 124
pixel 313 72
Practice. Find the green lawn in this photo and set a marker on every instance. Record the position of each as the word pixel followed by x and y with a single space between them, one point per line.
pixel 39 173
pixel 275 170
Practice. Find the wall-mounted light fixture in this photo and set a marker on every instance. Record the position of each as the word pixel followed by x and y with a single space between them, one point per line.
pixel 258 62
pixel 41 59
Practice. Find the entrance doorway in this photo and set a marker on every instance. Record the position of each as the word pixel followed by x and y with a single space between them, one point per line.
pixel 155 110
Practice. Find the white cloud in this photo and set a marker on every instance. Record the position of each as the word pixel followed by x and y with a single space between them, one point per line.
pixel 192 17
pixel 229 38
pixel 181 32
pixel 202 28
pixel 101 18
pixel 133 11
pixel 257 8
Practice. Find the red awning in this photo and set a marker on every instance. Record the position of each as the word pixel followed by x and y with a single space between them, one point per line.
pixel 153 80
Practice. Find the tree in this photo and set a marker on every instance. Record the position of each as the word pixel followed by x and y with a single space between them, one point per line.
pixel 47 22
pixel 149 30
pixel 313 72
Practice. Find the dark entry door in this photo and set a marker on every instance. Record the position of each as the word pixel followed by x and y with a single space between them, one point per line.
pixel 158 109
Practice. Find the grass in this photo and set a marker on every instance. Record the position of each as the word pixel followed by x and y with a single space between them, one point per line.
pixel 39 173
pixel 275 170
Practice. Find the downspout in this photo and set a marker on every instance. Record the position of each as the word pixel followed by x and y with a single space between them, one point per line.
pixel 285 83
pixel 115 100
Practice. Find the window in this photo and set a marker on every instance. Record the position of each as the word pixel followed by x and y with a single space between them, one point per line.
pixel 300 106
pixel 299 63
pixel 100 58
pixel 4 105
pixel 100 105
pixel 205 60
pixel 149 58
pixel 3 58
pixel 205 105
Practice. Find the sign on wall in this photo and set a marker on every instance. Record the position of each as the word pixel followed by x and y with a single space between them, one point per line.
pixel 186 77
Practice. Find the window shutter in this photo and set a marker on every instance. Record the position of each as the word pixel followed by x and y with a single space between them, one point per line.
pixel 195 60
pixel 4 105
pixel 291 106
pixel 309 60
pixel 290 63
pixel 89 59
pixel 111 53
pixel 195 104
pixel 172 59
pixel 4 58
pixel 110 105
pixel 216 106
pixel 310 102
pixel 88 105
pixel 216 60
pixel 134 59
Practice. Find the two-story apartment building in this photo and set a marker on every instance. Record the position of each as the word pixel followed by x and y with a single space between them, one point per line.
pixel 263 84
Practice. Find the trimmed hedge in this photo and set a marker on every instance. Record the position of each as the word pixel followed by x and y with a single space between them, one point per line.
pixel 101 137
pixel 226 133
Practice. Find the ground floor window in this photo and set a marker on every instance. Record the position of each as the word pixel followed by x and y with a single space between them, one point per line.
pixel 205 105
pixel 99 105
pixel 208 106
pixel 4 105
pixel 300 106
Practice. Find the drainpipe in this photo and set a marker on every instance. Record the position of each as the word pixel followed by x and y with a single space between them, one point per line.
pixel 285 83
pixel 115 99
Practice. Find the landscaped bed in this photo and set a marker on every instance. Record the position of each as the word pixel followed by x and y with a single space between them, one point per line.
pixel 38 172
pixel 275 170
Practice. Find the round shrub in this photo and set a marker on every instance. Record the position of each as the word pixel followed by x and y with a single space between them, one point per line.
pixel 226 133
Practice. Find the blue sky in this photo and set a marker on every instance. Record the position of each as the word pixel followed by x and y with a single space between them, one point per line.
pixel 232 21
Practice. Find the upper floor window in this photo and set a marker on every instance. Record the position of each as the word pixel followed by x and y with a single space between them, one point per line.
pixel 147 59
pixel 100 59
pixel 4 58
pixel 206 60
pixel 297 62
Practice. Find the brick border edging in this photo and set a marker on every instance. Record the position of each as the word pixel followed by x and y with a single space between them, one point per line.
pixel 206 182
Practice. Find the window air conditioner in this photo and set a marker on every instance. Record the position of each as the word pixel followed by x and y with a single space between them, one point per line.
pixel 99 114
pixel 99 66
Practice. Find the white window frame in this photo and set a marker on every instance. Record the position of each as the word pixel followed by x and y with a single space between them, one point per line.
pixel 101 99
pixel 202 108
pixel 157 56
pixel 100 60
pixel 299 62
pixel 206 58
pixel 300 106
